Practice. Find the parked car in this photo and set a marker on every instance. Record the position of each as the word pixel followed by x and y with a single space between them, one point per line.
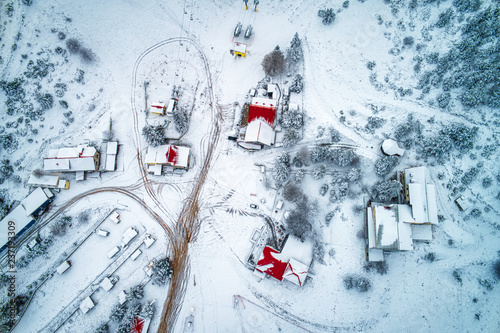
pixel 254 206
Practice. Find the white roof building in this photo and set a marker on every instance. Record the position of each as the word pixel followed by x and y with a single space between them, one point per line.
pixel 22 216
pixel 396 226
pixel 391 147
pixel 259 131
pixel 111 152
pixel 175 156
pixel 107 284
pixel 87 305
pixel 81 158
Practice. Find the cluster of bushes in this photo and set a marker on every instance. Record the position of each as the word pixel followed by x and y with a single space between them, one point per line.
pixel 385 164
pixel 380 267
pixel 4 204
pixel 456 136
pixel 10 310
pixel 357 282
pixel 387 191
pixel 58 228
pixel 6 170
pixel 327 15
pixel 74 46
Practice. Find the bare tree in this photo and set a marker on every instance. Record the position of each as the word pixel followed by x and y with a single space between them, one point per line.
pixel 274 62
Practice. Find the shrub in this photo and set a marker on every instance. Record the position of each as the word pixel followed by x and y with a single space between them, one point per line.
pixel 136 293
pixel 457 276
pixel 385 164
pixel 323 189
pixel 496 269
pixel 462 136
pixel 353 174
pixel 87 55
pixel 73 45
pixel 431 256
pixel 380 267
pixel 46 101
pixel 371 65
pixel 487 182
pixel 327 15
pixel 148 310
pixel 102 329
pixel 443 100
pixel 469 176
pixel 27 2
pixel 467 5
pixel 274 62
pixel 408 41
pixel 357 282
pixel 319 154
pixel 438 146
pixel 374 123
pixel 118 312
pixel 334 135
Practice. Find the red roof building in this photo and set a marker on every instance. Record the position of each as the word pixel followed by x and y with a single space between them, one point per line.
pixel 266 112
pixel 271 264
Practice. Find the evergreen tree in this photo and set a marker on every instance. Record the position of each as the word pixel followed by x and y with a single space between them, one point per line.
pixel 162 271
pixel 297 84
pixel 290 138
pixel 385 164
pixel 294 53
pixel 388 190
pixel 327 15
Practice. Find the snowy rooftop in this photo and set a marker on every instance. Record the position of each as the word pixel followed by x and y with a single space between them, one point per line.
pixel 20 219
pixel 422 195
pixel 390 147
pixel 44 179
pixel 259 131
pixel 176 156
pixel 36 199
pixel 112 148
pixel 72 152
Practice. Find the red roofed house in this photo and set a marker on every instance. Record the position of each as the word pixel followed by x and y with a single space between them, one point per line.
pixel 291 264
pixel 170 155
pixel 261 117
pixel 139 325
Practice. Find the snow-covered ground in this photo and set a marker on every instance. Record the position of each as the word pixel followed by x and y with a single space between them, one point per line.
pixel 186 44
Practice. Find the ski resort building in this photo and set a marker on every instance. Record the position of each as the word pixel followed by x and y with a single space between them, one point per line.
pixel 48 182
pixel 261 119
pixel 75 159
pixel 24 215
pixel 176 157
pixel 394 227
pixel 291 264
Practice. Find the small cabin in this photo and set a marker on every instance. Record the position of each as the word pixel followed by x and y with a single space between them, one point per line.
pixel 63 267
pixel 239 50
pixel 171 106
pixel 48 182
pixel 87 305
pixel 158 108
pixel 113 252
pixel 103 233
pixel 128 236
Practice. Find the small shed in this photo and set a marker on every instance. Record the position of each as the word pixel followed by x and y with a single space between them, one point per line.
pixel 111 152
pixel 107 284
pixel 63 267
pixel 129 234
pixel 122 297
pixel 158 108
pixel 103 233
pixel 115 217
pixel 391 147
pixel 240 49
pixel 113 252
pixel 462 204
pixel 136 254
pixel 87 305
pixel 148 241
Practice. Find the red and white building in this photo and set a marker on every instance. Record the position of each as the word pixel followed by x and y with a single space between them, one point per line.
pixel 261 119
pixel 291 264
pixel 176 157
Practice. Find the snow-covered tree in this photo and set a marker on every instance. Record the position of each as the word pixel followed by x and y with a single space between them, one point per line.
pixel 386 191
pixel 297 84
pixel 292 118
pixel 274 62
pixel 327 15
pixel 102 329
pixel 438 146
pixel 154 135
pixel 353 174
pixel 462 136
pixel 290 138
pixel 319 154
pixel 294 53
pixel 319 171
pixel 299 175
pixel 162 271
pixel 342 156
pixel 385 164
pixel 334 135
pixel 181 120
pixel 136 293
pixel 118 312
pixel 282 168
pixel 148 310
pixel 357 282
pixel 323 189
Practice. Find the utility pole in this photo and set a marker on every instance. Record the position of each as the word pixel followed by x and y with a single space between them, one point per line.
pixel 255 2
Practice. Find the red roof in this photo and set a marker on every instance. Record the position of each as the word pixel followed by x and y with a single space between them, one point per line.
pixel 137 325
pixel 267 113
pixel 172 155
pixel 271 265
